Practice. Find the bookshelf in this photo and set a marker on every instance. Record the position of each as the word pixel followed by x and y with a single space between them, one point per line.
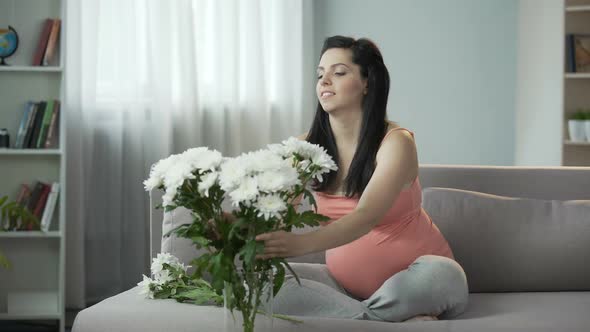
pixel 33 290
pixel 32 69
pixel 575 85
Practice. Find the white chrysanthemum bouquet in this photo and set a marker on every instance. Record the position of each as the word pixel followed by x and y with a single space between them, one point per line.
pixel 262 187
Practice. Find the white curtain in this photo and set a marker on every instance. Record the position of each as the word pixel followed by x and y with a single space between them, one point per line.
pixel 147 78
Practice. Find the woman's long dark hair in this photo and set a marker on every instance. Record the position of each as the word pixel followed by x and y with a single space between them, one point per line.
pixel 365 54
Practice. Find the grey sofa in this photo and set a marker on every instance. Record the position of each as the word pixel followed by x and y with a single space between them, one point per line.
pixel 522 235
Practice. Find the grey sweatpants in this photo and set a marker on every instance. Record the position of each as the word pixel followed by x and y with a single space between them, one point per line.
pixel 431 285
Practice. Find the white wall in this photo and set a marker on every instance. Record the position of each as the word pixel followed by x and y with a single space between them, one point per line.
pixel 539 83
pixel 452 65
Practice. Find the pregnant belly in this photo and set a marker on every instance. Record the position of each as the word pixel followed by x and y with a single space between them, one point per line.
pixel 363 265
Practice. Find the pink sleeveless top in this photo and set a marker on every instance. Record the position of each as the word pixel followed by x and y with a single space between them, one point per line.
pixel 405 233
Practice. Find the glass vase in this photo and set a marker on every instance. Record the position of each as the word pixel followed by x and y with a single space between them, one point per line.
pixel 247 302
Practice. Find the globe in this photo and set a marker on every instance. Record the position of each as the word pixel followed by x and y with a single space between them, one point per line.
pixel 8 43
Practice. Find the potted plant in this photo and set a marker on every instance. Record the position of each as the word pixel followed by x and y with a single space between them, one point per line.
pixel 587 124
pixel 576 126
pixel 10 212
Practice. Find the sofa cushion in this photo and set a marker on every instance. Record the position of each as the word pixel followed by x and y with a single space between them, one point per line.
pixel 514 244
pixel 534 312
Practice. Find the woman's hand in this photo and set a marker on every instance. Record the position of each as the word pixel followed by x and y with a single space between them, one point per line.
pixel 282 244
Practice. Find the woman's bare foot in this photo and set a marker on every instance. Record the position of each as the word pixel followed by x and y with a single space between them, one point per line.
pixel 421 318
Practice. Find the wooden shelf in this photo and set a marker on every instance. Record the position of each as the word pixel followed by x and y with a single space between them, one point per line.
pixel 572 9
pixel 568 142
pixel 577 75
pixel 39 69
pixel 30 234
pixel 48 152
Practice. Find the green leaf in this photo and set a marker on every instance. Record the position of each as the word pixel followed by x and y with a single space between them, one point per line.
pixel 221 270
pixel 179 231
pixel 292 272
pixel 291 215
pixel 162 294
pixel 236 229
pixel 279 278
pixel 250 250
pixel 201 264
pixel 169 208
pixel 307 194
pixel 200 241
pixel 3 200
pixel 199 295
pixel 4 262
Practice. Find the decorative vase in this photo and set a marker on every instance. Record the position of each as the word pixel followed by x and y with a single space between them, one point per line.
pixel 251 303
pixel 576 130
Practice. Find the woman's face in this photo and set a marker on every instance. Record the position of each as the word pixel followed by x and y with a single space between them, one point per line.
pixel 340 83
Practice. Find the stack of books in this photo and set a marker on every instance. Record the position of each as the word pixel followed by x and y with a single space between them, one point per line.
pixel 39 126
pixel 45 54
pixel 40 201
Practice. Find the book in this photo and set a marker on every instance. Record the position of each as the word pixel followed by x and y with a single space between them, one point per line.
pixel 569 53
pixel 48 58
pixel 30 123
pixel 50 207
pixel 40 143
pixel 52 140
pixel 22 199
pixel 37 125
pixel 22 129
pixel 23 194
pixel 582 53
pixel 34 199
pixel 40 206
pixel 42 43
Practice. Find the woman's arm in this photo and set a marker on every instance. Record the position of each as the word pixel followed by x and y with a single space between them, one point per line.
pixel 397 164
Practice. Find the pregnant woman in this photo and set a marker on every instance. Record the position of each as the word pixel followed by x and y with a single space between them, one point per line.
pixel 385 258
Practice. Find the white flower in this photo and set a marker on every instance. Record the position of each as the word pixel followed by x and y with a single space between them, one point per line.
pixel 207 181
pixel 283 179
pixel 232 173
pixel 279 149
pixel 152 183
pixel 246 192
pixel 158 171
pixel 162 277
pixel 161 259
pixel 202 158
pixel 145 287
pixel 168 197
pixel 306 150
pixel 323 161
pixel 176 174
pixel 174 178
pixel 270 206
pixel 174 170
pixel 263 160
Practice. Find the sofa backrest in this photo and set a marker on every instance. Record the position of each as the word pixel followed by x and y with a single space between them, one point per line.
pixel 514 228
pixel 562 183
